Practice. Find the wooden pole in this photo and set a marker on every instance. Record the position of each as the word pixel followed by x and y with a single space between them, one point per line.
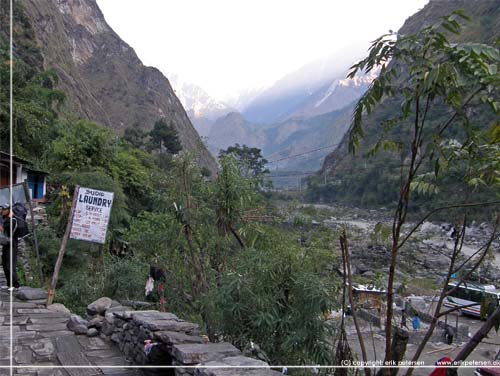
pixel 52 288
pixel 33 229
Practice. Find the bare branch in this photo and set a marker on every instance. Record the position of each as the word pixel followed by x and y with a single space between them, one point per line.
pixel 450 120
pixel 434 211
pixel 434 321
pixel 345 253
pixel 481 258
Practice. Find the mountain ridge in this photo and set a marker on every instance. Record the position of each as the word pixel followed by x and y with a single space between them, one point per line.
pixel 376 184
pixel 102 76
pixel 283 139
pixel 274 103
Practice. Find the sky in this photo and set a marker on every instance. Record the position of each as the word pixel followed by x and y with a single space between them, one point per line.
pixel 229 46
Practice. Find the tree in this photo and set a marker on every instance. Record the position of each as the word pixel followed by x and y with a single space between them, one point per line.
pixel 251 159
pixel 135 136
pixel 233 196
pixel 81 146
pixel 443 87
pixel 33 115
pixel 164 138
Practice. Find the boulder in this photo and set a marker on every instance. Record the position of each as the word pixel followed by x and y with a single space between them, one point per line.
pixel 92 332
pixel 30 293
pixel 58 307
pixel 99 306
pixel 430 228
pixel 110 317
pixel 107 328
pixel 96 321
pixel 77 324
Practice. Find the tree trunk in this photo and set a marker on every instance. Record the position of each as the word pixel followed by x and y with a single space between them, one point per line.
pixel 493 321
pixel 398 350
pixel 347 262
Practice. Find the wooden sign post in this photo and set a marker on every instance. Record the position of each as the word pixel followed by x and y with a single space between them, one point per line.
pixel 52 288
pixel 88 221
pixel 33 230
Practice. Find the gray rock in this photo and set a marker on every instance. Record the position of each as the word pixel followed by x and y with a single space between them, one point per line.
pixel 197 353
pixel 368 273
pixel 110 318
pixel 171 325
pixel 145 316
pixel 107 328
pixel 99 306
pixel 429 228
pixel 96 321
pixel 58 307
pixel 30 293
pixel 77 324
pixel 92 332
pixel 43 349
pixel 117 309
pixel 173 338
pixel 235 361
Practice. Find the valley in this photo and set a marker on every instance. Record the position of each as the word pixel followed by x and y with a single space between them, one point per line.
pixel 346 212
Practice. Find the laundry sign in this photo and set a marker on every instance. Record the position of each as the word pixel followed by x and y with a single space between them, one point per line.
pixel 91 215
pixel 88 220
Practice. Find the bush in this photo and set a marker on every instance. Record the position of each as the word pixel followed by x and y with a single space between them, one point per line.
pixel 125 278
pixel 276 299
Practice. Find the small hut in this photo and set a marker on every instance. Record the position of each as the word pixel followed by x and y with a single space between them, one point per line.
pixel 22 171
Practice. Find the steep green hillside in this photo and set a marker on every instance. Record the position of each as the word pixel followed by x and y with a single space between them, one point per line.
pixel 374 180
pixel 102 76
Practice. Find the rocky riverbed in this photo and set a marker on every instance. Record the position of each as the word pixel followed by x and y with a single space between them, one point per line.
pixel 425 256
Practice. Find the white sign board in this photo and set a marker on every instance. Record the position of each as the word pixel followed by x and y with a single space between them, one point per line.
pixel 91 218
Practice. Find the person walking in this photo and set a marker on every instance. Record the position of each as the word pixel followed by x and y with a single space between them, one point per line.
pixel 403 319
pixel 9 219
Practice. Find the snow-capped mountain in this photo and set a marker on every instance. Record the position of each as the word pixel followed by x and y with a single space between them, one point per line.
pixel 335 95
pixel 196 101
pixel 201 108
pixel 281 99
pixel 244 98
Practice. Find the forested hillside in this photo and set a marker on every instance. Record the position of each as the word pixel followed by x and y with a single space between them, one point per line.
pixel 372 179
pixel 102 77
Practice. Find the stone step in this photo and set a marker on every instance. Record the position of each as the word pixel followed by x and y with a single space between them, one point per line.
pixel 46 328
pixel 240 361
pixel 174 338
pixel 197 353
pixel 70 353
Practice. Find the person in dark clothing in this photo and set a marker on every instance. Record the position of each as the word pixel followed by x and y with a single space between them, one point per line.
pixel 449 332
pixel 8 218
pixel 403 319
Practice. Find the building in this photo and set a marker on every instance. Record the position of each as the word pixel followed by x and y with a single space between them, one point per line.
pixel 21 172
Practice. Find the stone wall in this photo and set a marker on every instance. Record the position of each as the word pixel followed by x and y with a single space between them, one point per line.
pixel 162 339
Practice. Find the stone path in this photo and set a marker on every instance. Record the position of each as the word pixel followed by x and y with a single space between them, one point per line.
pixel 40 338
